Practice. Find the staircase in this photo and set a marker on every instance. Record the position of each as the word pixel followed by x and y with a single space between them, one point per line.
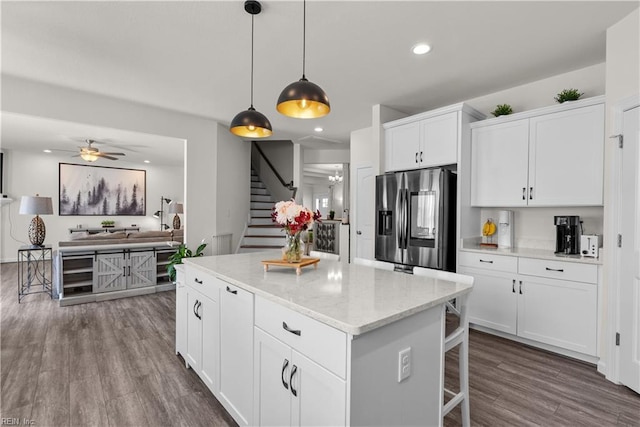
pixel 262 233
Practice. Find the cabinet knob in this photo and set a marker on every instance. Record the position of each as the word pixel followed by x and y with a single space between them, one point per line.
pixel 358 232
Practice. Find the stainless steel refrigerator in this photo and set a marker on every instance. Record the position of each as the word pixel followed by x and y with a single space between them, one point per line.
pixel 416 218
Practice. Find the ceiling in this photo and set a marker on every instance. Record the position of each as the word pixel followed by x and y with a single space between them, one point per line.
pixel 194 56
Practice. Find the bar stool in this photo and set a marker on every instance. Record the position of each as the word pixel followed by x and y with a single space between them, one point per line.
pixel 459 337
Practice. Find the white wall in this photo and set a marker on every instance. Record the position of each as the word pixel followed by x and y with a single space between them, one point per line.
pixel 233 204
pixel 201 133
pixel 30 173
pixel 281 156
pixel 364 152
pixel 622 81
pixel 327 156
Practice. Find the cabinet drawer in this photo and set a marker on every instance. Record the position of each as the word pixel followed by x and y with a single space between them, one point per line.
pixel 489 261
pixel 576 272
pixel 325 345
pixel 202 282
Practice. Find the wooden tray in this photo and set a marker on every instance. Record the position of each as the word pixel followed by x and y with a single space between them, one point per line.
pixel 297 265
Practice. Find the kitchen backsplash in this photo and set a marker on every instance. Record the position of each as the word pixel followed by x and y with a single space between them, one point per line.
pixel 534 226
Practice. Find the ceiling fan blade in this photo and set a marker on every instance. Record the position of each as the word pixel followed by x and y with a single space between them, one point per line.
pixel 113 154
pixel 106 157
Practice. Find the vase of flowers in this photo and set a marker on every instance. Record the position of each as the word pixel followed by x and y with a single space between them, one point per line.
pixel 294 219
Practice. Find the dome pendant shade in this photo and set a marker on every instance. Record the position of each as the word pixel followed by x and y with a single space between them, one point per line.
pixel 251 124
pixel 303 100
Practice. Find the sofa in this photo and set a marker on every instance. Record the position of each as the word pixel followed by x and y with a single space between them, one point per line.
pixel 123 237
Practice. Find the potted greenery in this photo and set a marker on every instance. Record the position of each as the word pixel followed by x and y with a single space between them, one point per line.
pixel 502 110
pixel 568 95
pixel 332 214
pixel 182 252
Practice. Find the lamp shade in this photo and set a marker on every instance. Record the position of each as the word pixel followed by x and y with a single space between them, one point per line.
pixel 251 124
pixel 36 205
pixel 176 208
pixel 303 100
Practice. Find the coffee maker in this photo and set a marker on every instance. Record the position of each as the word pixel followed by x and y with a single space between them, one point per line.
pixel 567 234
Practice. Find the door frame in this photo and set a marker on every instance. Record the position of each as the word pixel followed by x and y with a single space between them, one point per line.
pixel 354 206
pixel 611 366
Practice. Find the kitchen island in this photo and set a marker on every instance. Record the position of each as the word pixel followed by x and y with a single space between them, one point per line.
pixel 322 348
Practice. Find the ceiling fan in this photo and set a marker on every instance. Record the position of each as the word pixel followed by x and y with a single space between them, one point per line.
pixel 91 153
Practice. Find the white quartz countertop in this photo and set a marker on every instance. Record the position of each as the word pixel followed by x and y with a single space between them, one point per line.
pixel 352 298
pixel 530 253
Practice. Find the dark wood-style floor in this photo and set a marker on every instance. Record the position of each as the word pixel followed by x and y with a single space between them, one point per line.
pixel 113 363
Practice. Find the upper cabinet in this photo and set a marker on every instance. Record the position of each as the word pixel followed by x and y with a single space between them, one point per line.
pixel 427 139
pixel 548 157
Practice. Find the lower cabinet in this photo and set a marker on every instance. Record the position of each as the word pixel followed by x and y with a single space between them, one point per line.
pixel 123 270
pixel 542 308
pixel 181 313
pixel 203 339
pixel 292 390
pixel 236 352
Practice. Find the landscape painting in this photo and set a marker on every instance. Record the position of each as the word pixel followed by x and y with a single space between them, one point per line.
pixel 97 190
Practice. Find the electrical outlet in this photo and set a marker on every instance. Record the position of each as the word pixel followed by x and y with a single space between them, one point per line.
pixel 404 364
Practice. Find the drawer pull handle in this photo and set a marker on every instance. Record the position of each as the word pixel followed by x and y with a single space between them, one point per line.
pixel 297 332
pixel 559 270
pixel 520 288
pixel 488 262
pixel 282 377
pixel 199 282
pixel 198 310
pixel 513 286
pixel 235 292
pixel 293 372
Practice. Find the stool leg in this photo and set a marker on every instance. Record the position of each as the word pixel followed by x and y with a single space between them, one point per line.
pixel 463 361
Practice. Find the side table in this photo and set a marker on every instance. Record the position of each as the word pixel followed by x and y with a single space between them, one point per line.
pixel 33 277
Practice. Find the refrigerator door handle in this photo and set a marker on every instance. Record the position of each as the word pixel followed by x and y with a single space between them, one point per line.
pixel 405 216
pixel 398 213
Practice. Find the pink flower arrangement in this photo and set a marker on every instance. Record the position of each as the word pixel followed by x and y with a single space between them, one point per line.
pixel 293 217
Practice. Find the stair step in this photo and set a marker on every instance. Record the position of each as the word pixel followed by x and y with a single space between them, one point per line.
pixel 262 198
pixel 261 205
pixel 261 221
pixel 259 191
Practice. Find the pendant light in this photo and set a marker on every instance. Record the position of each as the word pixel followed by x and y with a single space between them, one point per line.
pixel 303 99
pixel 251 123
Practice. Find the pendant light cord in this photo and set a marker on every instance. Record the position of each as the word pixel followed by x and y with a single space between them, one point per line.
pixel 251 61
pixel 304 36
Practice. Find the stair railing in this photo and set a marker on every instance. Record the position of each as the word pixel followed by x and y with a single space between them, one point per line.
pixel 288 185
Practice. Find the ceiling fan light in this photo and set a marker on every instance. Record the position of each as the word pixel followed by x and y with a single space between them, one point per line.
pixel 88 156
pixel 251 124
pixel 303 100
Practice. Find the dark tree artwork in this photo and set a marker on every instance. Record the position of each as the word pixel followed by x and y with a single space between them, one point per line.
pixel 97 190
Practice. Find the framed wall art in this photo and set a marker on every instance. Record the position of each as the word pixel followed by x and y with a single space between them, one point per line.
pixel 101 190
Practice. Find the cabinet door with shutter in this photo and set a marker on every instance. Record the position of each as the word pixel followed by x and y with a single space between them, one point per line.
pixel 566 158
pixel 493 301
pixel 319 396
pixel 439 140
pixel 402 147
pixel 109 272
pixel 272 370
pixel 141 269
pixel 499 164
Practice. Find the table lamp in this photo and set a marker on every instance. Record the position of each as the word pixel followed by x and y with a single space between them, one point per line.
pixel 36 205
pixel 176 208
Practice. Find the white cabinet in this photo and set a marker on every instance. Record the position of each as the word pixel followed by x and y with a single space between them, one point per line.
pixel 546 301
pixel 181 312
pixel 292 390
pixel 426 140
pixel 548 157
pixel 236 352
pixel 203 341
pixel 300 369
pixel 499 164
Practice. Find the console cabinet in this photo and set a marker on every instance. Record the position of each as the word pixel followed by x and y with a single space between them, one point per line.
pixel 546 301
pixel 99 273
pixel 548 157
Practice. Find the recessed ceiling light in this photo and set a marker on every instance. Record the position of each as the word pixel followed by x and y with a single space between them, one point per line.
pixel 421 49
pixel 47 150
pixel 318 129
pixel 147 161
